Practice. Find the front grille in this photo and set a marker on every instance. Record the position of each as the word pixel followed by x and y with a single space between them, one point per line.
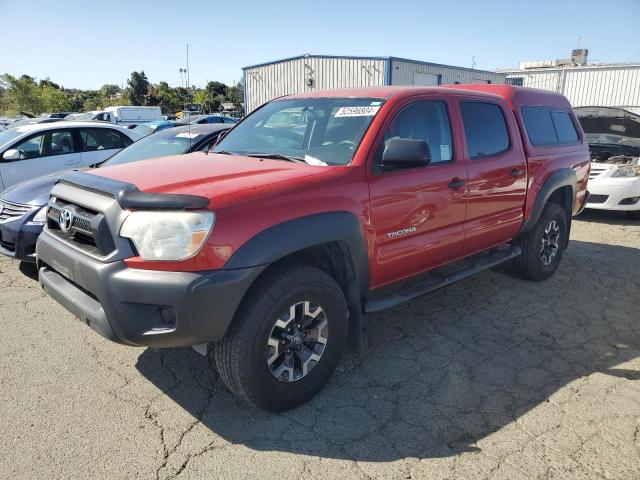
pixel 597 170
pixel 87 229
pixel 9 210
pixel 597 198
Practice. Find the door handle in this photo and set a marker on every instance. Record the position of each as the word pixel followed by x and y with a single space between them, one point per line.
pixel 455 183
pixel 516 172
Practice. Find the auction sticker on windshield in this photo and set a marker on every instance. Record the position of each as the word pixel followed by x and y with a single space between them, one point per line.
pixel 357 111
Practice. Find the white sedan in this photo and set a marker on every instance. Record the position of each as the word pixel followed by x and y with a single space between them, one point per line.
pixel 614 143
pixel 34 150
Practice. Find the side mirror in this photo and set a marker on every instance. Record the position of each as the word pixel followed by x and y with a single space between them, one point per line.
pixel 11 154
pixel 405 153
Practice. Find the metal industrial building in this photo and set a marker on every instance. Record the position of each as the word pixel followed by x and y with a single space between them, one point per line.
pixel 612 85
pixel 307 73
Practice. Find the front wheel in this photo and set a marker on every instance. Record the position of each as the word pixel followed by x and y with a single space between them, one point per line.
pixel 543 245
pixel 286 338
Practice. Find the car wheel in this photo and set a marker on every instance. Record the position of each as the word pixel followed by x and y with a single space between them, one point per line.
pixel 286 339
pixel 543 245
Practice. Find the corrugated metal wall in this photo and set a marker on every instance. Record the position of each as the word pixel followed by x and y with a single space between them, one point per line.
pixel 266 82
pixel 609 86
pixel 403 73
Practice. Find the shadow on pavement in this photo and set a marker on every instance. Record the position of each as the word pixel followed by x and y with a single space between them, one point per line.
pixel 608 217
pixel 445 371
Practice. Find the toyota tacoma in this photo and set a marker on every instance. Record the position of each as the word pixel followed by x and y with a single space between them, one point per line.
pixel 317 208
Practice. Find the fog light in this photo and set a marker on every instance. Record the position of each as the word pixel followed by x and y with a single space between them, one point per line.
pixel 167 316
pixel 629 201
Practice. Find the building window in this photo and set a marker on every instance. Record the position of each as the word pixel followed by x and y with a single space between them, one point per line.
pixel 516 81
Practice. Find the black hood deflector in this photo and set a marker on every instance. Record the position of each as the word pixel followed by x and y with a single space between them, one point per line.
pixel 130 197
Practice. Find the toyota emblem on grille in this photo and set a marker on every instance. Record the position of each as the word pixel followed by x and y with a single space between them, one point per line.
pixel 65 219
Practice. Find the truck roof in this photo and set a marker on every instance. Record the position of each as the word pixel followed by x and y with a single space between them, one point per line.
pixel 515 96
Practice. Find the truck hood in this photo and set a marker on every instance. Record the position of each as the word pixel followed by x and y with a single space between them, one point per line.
pixel 210 176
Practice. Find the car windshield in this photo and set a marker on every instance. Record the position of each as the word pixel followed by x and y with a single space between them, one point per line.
pixel 320 131
pixel 145 129
pixel 153 146
pixel 84 116
pixel 7 136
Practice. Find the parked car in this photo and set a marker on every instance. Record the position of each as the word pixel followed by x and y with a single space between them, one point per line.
pixel 33 150
pixel 614 145
pixel 33 121
pixel 200 119
pixel 271 248
pixel 155 127
pixel 22 206
pixel 7 119
pixel 61 114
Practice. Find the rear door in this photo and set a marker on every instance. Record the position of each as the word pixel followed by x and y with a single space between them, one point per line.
pixel 418 213
pixel 40 154
pixel 497 169
pixel 98 144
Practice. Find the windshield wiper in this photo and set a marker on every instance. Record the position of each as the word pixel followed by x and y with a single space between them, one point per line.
pixel 277 156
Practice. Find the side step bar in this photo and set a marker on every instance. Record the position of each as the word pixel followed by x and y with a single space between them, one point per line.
pixel 484 262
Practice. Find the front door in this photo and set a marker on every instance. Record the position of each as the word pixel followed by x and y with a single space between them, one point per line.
pixel 41 154
pixel 418 213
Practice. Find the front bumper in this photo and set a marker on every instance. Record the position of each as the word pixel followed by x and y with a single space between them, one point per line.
pixel 18 237
pixel 610 192
pixel 142 307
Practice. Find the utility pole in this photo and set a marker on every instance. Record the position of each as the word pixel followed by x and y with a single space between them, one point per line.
pixel 188 78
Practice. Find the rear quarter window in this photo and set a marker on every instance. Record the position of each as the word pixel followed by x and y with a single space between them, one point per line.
pixel 546 127
pixel 565 127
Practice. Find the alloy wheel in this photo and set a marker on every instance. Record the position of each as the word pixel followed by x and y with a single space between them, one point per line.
pixel 550 242
pixel 297 341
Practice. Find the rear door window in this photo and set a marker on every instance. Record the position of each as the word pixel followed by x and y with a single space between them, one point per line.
pixel 485 129
pixel 100 139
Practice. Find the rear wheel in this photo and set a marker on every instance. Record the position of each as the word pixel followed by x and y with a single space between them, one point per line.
pixel 286 338
pixel 543 245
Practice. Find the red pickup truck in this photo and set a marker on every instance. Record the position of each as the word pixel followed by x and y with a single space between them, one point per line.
pixel 314 210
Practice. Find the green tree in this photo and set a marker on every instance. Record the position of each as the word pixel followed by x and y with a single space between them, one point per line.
pixel 54 99
pixel 22 94
pixel 235 94
pixel 138 88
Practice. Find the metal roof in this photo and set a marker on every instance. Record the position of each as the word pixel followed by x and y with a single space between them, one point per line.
pixel 352 57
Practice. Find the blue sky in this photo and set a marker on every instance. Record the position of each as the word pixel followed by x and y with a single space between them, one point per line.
pixel 87 44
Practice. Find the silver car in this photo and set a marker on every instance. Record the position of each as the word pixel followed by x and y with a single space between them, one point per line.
pixel 34 150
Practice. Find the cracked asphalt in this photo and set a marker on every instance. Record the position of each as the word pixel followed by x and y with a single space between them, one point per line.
pixel 494 378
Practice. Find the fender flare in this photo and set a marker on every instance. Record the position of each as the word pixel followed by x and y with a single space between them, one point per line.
pixel 564 177
pixel 294 235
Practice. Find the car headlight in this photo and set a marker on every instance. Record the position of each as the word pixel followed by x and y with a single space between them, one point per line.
pixel 41 215
pixel 169 236
pixel 626 171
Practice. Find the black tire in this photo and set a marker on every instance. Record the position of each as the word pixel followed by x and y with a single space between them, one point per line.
pixel 531 264
pixel 241 357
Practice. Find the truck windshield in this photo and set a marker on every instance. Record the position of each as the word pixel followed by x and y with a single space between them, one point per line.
pixel 320 131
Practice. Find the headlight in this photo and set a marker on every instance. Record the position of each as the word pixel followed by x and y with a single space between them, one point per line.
pixel 41 216
pixel 626 171
pixel 161 235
